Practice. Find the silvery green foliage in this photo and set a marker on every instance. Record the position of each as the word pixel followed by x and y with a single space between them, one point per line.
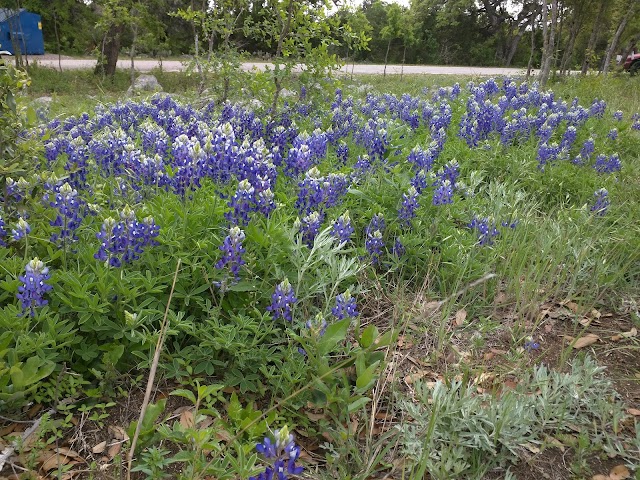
pixel 459 432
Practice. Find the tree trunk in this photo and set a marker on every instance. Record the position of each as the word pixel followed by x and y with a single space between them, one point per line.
pixel 132 53
pixel 632 45
pixel 386 57
pixel 110 49
pixel 276 70
pixel 613 44
pixel 548 41
pixel 55 28
pixel 593 38
pixel 404 56
pixel 533 44
pixel 568 51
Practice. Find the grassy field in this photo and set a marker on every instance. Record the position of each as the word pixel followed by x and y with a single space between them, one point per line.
pixel 432 277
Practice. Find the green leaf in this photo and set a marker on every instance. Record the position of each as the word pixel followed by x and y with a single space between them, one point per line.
pixel 181 392
pixel 335 333
pixel 366 378
pixel 358 404
pixel 368 336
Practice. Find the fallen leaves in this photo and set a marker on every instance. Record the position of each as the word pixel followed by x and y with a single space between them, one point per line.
pixel 631 333
pixel 461 316
pixel 582 342
pixel 619 472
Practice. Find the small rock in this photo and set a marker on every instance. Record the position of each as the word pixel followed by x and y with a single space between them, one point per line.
pixel 145 83
pixel 45 101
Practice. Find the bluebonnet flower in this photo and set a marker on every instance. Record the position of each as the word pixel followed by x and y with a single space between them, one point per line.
pixel 443 193
pixel 606 164
pixel 283 452
pixel 345 306
pixel 282 300
pixel 398 248
pixel 232 251
pixel 242 203
pixel 67 203
pixel 407 210
pixel 485 229
pixel 265 202
pixel 342 152
pixel 310 226
pixel 601 203
pixel 3 233
pixel 317 327
pixel 374 245
pixel 617 115
pixel 613 134
pixel 16 190
pixel 587 149
pixel 531 345
pixel 312 192
pixel 342 228
pixel 419 181
pixel 31 292
pixel 21 230
pixel 376 223
pixel 569 137
pixel 124 241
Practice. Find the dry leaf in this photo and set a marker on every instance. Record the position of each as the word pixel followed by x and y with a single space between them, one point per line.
pixel 186 419
pixel 484 378
pixel 548 327
pixel 595 314
pixel 633 411
pixel 585 321
pixel 118 433
pixel 619 472
pixel 431 307
pixel 498 351
pixel 99 448
pixel 532 448
pixel 63 456
pixel 114 449
pixel 599 477
pixel 500 298
pixel 555 442
pixel 631 333
pixel 413 377
pixel 314 417
pixel 588 339
pixel 573 306
pixel 461 316
pixel 489 355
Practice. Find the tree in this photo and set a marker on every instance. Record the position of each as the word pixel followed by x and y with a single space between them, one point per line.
pixel 392 30
pixel 593 38
pixel 356 30
pixel 548 39
pixel 629 9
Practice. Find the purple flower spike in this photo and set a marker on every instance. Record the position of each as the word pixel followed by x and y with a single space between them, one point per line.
pixel 345 306
pixel 34 286
pixel 232 251
pixel 281 301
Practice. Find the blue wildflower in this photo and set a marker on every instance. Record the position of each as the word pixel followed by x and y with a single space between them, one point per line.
pixel 21 230
pixel 407 210
pixel 232 251
pixel 310 227
pixel 342 229
pixel 281 301
pixel 345 306
pixel 34 286
pixel 601 203
pixel 284 453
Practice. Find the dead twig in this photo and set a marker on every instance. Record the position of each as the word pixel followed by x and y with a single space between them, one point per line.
pixel 9 449
pixel 152 373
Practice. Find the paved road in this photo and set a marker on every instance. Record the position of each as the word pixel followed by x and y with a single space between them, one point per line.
pixel 176 66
